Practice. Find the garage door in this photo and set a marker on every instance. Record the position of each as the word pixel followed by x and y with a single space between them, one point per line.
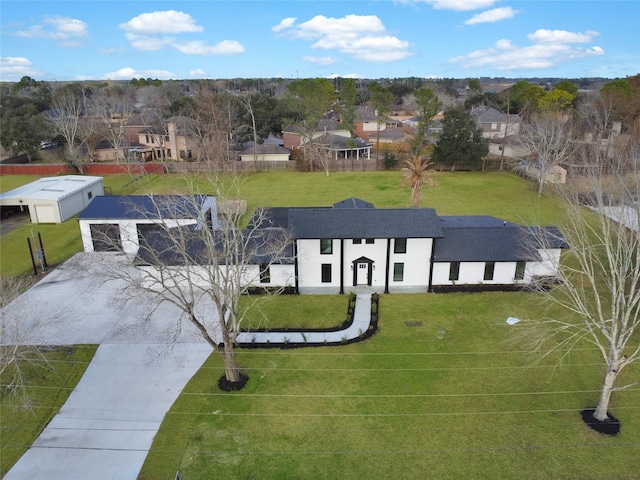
pixel 106 237
pixel 45 213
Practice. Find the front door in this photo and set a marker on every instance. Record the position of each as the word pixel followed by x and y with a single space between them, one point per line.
pixel 362 273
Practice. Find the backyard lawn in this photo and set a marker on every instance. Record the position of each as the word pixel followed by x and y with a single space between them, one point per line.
pixel 499 194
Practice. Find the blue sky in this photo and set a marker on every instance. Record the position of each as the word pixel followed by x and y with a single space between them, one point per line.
pixel 93 39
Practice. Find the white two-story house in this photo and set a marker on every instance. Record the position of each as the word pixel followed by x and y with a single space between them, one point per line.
pixel 355 245
pixel 352 246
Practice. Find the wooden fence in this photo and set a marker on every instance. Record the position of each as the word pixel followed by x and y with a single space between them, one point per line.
pixel 349 165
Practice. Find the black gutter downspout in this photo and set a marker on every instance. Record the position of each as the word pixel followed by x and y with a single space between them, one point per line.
pixel 295 265
pixel 386 275
pixel 433 251
pixel 341 266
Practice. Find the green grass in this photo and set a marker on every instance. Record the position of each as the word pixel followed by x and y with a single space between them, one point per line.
pixel 48 390
pixel 500 194
pixel 297 311
pixel 452 398
pixel 449 398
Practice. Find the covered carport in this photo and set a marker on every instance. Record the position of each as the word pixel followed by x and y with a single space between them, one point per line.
pixel 53 199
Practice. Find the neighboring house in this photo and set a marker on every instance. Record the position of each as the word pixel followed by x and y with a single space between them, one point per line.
pixel 388 135
pixel 495 124
pixel 507 147
pixel 353 245
pixel 366 122
pixel 555 174
pixel 273 140
pixel 54 199
pixel 294 136
pixel 265 153
pixel 133 127
pixel 342 148
pixel 113 223
pixel 172 142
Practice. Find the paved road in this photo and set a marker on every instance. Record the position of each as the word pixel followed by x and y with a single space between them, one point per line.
pixel 107 425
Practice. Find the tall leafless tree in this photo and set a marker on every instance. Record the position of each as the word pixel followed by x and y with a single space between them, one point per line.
pixel 599 278
pixel 208 270
pixel 549 140
pixel 68 108
pixel 111 107
pixel 214 117
pixel 21 341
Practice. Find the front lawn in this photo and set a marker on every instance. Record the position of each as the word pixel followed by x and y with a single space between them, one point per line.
pixel 438 392
pixel 48 389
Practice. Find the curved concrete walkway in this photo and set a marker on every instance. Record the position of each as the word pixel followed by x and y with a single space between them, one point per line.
pixel 107 425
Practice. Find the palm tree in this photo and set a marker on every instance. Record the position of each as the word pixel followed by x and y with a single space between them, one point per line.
pixel 414 174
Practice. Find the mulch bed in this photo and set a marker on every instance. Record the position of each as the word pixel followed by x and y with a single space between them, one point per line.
pixel 227 386
pixel 610 426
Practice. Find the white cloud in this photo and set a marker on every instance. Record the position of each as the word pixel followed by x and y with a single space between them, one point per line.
pixel 160 30
pixel 506 56
pixel 491 16
pixel 68 32
pixel 149 44
pixel 168 21
pixel 324 61
pixel 13 69
pixel 197 73
pixel 561 36
pixel 457 5
pixel 363 37
pixel 128 73
pixel 351 25
pixel 284 24
pixel 198 47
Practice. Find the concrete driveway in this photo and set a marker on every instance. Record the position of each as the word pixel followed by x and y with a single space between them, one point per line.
pixel 107 425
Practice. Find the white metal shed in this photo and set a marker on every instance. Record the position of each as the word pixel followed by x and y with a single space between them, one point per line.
pixel 54 199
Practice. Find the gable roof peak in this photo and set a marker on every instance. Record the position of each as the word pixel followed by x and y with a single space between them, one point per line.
pixel 353 202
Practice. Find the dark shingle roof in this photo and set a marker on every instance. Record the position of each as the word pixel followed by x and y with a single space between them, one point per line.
pixel 353 203
pixel 188 245
pixel 490 239
pixel 134 207
pixel 264 148
pixel 338 142
pixel 364 223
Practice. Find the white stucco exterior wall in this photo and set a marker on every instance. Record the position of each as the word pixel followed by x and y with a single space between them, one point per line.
pixel 416 263
pixel 472 273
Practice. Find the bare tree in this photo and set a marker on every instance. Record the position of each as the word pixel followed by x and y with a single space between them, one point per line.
pixel 20 341
pixel 599 279
pixel 65 118
pixel 245 101
pixel 111 108
pixel 214 118
pixel 313 98
pixel 381 99
pixel 549 140
pixel 209 269
pixel 318 151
